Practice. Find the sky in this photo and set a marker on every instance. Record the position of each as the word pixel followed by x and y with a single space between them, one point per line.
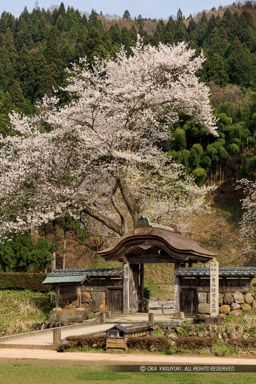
pixel 145 8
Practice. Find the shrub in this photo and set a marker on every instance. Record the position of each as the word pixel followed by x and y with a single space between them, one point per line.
pixel 200 175
pixel 194 342
pixel 171 350
pixel 24 254
pixel 146 293
pixel 251 342
pixel 82 341
pixel 251 164
pixel 21 280
pixel 150 343
pixel 220 350
pixel 233 149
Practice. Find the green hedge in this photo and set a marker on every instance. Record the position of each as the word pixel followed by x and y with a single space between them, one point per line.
pixel 24 280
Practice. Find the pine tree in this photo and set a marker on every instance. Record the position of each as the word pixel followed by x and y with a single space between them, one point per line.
pixel 94 42
pixel 179 15
pixel 125 39
pixel 24 69
pixel 126 15
pixel 67 53
pixel 62 10
pixel 45 76
pixel 51 53
pixel 217 71
pixel 9 44
pixel 169 31
pixel 160 32
pixel 6 68
pixel 241 65
pixel 41 29
pixel 6 104
pixel 4 125
pixel 61 24
pixel 80 47
pixel 115 34
pixel 180 32
pixel 17 96
pixel 23 37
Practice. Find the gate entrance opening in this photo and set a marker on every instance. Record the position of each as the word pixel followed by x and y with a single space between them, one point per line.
pixel 154 244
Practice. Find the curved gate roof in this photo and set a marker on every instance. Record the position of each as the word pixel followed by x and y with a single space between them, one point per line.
pixel 156 244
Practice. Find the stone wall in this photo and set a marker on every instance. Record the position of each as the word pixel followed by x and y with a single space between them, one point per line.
pixel 91 302
pixel 94 301
pixel 229 303
pixel 218 332
pixel 67 316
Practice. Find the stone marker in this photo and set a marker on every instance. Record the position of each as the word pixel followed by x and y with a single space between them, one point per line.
pixel 179 315
pixel 151 318
pixel 103 317
pixel 214 288
pixel 56 336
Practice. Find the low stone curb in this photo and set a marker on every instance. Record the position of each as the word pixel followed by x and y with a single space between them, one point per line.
pixel 29 346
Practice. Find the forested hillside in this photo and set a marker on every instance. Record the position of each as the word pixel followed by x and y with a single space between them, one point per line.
pixel 36 48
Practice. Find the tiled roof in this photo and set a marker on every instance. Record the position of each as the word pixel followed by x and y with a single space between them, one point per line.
pixel 120 328
pixel 79 275
pixel 223 271
pixel 171 242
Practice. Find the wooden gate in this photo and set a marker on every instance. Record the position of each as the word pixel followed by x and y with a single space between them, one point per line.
pixel 188 301
pixel 115 300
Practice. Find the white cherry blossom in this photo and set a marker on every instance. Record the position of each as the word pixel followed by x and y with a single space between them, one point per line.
pixel 100 153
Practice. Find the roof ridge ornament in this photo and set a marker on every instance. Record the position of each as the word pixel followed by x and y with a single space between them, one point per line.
pixel 143 221
pixel 175 227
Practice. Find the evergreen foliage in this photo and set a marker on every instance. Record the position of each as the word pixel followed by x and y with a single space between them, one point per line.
pixel 21 280
pixel 25 254
pixel 36 48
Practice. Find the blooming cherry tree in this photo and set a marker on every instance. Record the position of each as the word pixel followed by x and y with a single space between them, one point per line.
pixel 99 154
pixel 248 223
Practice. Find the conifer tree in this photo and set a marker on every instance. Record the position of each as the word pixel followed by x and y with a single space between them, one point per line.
pixel 52 54
pixel 23 37
pixel 217 71
pixel 126 15
pixel 41 29
pixel 17 96
pixel 25 71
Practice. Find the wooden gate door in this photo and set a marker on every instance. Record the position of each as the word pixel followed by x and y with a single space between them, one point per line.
pixel 188 301
pixel 115 300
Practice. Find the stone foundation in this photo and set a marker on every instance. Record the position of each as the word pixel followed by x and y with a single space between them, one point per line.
pixel 216 331
pixel 68 316
pixel 93 302
pixel 233 303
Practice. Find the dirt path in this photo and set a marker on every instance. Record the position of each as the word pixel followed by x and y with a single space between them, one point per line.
pixel 46 337
pixel 118 358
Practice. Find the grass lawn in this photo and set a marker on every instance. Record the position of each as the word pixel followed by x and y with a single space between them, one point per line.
pixel 21 308
pixel 56 372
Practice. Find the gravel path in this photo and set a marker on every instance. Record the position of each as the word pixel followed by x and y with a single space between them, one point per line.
pixel 124 358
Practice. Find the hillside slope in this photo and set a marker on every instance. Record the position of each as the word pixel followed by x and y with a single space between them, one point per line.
pixel 20 309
